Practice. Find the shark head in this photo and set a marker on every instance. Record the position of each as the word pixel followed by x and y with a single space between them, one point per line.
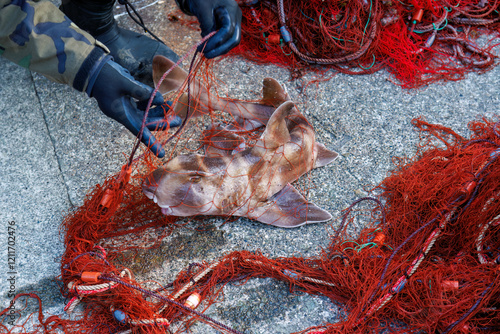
pixel 184 186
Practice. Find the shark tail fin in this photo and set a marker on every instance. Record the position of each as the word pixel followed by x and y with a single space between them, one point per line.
pixel 324 156
pixel 174 80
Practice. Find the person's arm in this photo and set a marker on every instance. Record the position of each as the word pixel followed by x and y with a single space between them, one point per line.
pixel 38 36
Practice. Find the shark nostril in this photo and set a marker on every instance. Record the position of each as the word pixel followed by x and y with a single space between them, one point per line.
pixel 157 175
pixel 151 183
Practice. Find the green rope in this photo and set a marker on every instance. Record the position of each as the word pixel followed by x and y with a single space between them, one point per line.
pixel 310 18
pixel 441 28
pixel 366 26
pixel 367 68
pixel 281 46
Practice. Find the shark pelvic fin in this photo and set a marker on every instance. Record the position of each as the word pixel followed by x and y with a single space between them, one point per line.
pixel 290 209
pixel 173 81
pixel 276 132
pixel 323 155
pixel 220 142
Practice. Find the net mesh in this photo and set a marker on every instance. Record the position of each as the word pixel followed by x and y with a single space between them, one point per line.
pixel 426 261
pixel 417 41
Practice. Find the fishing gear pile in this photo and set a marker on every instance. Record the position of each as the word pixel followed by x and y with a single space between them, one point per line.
pixel 417 41
pixel 427 261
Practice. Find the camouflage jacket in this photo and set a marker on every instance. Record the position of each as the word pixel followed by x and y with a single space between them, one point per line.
pixel 38 36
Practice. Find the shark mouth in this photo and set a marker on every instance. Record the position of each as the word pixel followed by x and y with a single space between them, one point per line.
pixel 167 211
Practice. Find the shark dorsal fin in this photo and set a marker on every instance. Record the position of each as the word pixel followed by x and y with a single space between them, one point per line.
pixel 174 79
pixel 273 93
pixel 276 132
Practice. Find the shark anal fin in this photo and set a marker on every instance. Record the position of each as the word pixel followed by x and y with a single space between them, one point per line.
pixel 323 155
pixel 290 209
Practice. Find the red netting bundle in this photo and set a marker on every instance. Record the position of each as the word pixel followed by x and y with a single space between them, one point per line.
pixel 427 261
pixel 418 41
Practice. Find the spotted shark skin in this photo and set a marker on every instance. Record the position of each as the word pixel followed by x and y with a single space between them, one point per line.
pixel 252 183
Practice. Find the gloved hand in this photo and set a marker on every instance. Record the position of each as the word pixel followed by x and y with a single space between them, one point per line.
pixel 115 90
pixel 221 15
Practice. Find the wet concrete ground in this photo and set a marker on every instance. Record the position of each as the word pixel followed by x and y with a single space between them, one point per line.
pixel 56 145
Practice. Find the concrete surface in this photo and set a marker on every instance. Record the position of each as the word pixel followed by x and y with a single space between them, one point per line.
pixel 56 145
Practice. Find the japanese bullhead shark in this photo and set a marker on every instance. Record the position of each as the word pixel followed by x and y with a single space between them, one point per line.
pixel 253 182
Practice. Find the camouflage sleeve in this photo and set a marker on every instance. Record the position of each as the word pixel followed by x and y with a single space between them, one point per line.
pixel 40 37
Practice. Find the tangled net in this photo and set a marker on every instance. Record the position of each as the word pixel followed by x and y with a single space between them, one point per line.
pixel 417 41
pixel 428 260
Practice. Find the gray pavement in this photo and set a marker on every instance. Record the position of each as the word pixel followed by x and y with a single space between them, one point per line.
pixel 55 145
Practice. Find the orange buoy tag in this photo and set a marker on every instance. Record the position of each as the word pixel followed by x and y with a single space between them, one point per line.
pixel 274 39
pixel 107 197
pixel 193 300
pixel 127 171
pixel 418 14
pixel 379 238
pixel 450 285
pixel 470 186
pixel 90 276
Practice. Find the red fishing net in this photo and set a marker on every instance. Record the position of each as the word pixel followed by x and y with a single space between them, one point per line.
pixel 417 41
pixel 428 259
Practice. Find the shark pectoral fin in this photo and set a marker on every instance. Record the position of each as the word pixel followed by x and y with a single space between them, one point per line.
pixel 324 156
pixel 290 209
pixel 174 80
pixel 276 132
pixel 273 93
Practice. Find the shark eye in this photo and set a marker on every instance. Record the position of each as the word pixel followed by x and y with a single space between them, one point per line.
pixel 195 179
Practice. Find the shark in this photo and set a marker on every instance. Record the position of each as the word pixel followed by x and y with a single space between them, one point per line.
pixel 253 182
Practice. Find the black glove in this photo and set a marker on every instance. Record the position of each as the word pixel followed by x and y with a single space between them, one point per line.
pixel 115 90
pixel 221 15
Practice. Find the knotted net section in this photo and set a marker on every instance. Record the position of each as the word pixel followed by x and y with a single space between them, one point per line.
pixel 418 41
pixel 427 260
